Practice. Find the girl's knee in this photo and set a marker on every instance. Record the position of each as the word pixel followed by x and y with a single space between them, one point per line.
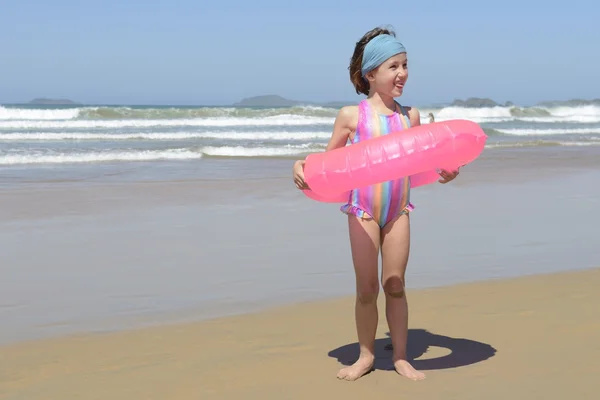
pixel 367 293
pixel 393 286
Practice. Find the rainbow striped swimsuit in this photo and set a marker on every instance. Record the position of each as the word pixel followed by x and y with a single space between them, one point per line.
pixel 386 200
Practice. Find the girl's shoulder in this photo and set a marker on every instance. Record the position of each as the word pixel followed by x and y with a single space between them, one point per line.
pixel 348 111
pixel 343 127
pixel 413 114
pixel 348 116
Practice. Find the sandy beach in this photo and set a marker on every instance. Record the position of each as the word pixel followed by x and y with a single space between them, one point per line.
pixel 518 338
pixel 163 282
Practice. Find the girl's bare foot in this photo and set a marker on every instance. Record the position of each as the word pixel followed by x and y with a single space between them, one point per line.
pixel 363 365
pixel 408 371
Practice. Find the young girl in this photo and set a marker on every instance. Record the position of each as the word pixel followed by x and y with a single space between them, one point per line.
pixel 377 215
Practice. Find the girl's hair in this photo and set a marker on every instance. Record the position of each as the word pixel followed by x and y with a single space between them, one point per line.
pixel 361 85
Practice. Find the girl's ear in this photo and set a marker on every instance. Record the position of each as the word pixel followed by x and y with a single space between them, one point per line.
pixel 370 76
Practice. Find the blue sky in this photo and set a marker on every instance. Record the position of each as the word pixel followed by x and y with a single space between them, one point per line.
pixel 217 52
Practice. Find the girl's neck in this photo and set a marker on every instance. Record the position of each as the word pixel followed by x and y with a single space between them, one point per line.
pixel 383 104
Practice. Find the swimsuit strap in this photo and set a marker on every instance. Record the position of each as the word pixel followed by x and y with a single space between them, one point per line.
pixel 362 126
pixel 404 114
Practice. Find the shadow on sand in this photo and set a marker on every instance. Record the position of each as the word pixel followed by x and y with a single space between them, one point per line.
pixel 463 351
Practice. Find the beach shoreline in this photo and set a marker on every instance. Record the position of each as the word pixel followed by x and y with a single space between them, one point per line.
pixel 220 280
pixel 121 251
pixel 177 319
pixel 460 335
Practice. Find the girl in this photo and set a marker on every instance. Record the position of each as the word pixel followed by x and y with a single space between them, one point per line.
pixel 377 215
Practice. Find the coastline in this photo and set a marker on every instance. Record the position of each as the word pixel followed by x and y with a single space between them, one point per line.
pixel 493 340
pixel 220 280
pixel 131 247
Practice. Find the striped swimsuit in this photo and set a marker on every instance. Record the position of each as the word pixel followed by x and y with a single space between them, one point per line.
pixel 386 200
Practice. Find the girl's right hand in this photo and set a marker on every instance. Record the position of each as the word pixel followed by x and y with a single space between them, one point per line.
pixel 299 175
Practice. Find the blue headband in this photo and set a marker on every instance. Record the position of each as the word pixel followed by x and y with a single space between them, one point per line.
pixel 379 49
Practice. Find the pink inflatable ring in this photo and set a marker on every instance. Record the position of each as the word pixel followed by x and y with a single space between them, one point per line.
pixel 417 152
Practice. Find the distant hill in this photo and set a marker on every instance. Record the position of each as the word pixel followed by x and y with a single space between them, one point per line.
pixel 479 102
pixel 278 101
pixel 471 102
pixel 270 100
pixel 43 100
pixel 570 103
pixel 273 100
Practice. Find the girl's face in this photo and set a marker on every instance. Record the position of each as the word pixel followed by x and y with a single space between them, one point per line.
pixel 389 78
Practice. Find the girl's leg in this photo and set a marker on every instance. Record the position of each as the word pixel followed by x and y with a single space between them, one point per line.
pixel 364 242
pixel 395 246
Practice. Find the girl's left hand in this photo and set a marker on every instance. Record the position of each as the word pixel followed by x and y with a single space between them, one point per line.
pixel 447 176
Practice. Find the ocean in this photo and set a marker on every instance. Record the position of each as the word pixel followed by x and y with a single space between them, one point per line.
pixel 47 136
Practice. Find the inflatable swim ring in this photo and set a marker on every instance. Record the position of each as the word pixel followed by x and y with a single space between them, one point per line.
pixel 418 152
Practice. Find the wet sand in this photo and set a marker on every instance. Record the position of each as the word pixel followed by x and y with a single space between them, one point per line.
pixel 517 338
pixel 124 251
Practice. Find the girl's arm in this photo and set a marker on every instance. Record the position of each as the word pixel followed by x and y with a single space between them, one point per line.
pixel 344 125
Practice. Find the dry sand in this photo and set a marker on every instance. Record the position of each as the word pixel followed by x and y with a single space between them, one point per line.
pixel 506 339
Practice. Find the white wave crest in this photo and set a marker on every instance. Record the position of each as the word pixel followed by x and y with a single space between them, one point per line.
pixel 240 151
pixel 57 136
pixel 291 120
pixel 581 114
pixel 586 111
pixel 493 113
pixel 581 119
pixel 534 144
pixel 556 131
pixel 68 158
pixel 16 114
